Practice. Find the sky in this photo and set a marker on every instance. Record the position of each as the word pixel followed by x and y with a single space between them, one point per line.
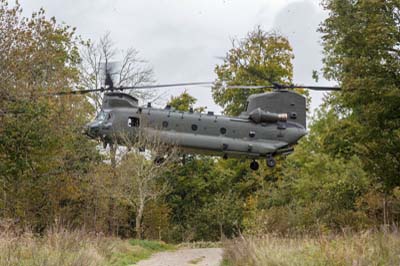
pixel 183 40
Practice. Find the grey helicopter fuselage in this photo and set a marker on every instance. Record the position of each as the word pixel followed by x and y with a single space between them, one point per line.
pixel 272 123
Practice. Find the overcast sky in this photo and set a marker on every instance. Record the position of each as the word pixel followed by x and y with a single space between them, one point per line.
pixel 182 39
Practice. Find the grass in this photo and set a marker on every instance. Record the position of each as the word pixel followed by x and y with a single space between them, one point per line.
pixel 200 244
pixel 151 245
pixel 73 248
pixel 225 262
pixel 197 260
pixel 138 250
pixel 357 249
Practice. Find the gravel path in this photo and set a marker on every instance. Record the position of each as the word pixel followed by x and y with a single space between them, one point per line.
pixel 185 257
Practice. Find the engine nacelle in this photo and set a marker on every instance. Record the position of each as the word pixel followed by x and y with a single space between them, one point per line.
pixel 258 116
pixel 278 102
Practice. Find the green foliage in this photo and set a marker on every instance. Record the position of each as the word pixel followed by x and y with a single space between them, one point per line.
pixel 259 58
pixel 156 220
pixel 136 251
pixel 151 245
pixel 42 151
pixel 190 189
pixel 184 102
pixel 220 212
pixel 361 44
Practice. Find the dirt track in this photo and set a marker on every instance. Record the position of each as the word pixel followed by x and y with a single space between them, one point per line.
pixel 185 257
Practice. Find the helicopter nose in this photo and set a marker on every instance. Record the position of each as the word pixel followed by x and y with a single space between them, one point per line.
pixel 91 130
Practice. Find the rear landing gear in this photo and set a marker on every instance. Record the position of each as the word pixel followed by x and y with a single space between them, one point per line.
pixel 271 161
pixel 254 165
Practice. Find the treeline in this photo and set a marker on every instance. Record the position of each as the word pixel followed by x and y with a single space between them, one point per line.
pixel 345 173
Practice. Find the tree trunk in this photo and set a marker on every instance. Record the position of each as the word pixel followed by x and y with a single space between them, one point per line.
pixel 385 212
pixel 111 213
pixel 113 155
pixel 139 216
pixel 221 231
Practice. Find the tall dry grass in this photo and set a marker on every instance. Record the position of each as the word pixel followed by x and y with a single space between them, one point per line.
pixel 57 247
pixel 355 249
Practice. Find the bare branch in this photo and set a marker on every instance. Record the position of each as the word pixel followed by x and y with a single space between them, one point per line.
pixel 141 172
pixel 97 57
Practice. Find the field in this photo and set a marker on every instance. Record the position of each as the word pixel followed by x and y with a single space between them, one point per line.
pixel 356 249
pixel 73 248
pixel 60 247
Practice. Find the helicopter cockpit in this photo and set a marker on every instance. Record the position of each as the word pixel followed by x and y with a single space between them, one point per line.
pixel 93 128
pixel 103 116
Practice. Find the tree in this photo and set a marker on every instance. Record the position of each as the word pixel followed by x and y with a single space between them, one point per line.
pixel 258 59
pixel 184 102
pixel 141 172
pixel 361 45
pixel 43 154
pixel 222 211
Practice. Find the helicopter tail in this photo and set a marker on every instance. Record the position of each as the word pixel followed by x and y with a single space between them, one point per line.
pixel 280 102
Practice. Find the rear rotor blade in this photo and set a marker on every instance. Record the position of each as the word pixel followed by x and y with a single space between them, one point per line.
pixel 315 88
pixel 279 86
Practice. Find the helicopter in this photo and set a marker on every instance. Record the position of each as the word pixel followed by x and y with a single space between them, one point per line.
pixel 271 124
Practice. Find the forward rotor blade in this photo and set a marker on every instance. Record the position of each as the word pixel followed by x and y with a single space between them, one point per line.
pixel 74 92
pixel 166 85
pixel 250 87
pixel 135 88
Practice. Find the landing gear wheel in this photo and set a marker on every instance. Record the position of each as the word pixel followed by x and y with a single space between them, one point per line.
pixel 159 160
pixel 271 162
pixel 254 165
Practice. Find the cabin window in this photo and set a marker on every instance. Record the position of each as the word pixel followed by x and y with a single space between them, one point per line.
pixel 133 122
pixel 222 130
pixel 165 124
pixel 194 127
pixel 101 116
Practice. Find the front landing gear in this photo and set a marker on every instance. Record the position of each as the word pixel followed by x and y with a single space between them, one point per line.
pixel 159 160
pixel 271 161
pixel 254 165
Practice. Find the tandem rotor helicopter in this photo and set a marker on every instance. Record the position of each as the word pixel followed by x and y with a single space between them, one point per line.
pixel 271 125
